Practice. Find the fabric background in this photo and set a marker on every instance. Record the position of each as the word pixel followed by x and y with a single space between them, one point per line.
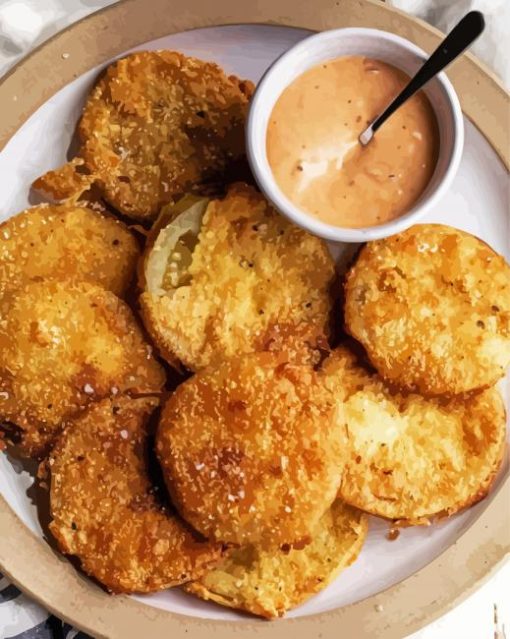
pixel 26 23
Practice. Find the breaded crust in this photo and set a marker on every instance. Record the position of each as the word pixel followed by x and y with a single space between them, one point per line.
pixel 432 308
pixel 270 582
pixel 251 450
pixel 104 509
pixel 70 181
pixel 302 343
pixel 412 457
pixel 64 345
pixel 157 125
pixel 66 242
pixel 250 277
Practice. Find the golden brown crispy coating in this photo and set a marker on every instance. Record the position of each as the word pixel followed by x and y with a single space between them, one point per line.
pixel 104 509
pixel 251 450
pixel 412 457
pixel 303 343
pixel 157 125
pixel 69 181
pixel 64 345
pixel 250 276
pixel 432 308
pixel 66 242
pixel 270 582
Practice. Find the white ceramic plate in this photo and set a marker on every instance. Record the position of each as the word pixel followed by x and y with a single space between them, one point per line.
pixel 478 202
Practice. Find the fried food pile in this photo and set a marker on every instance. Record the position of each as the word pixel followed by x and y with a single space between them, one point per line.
pixel 156 126
pixel 66 344
pixel 410 456
pixel 267 582
pixel 204 413
pixel 105 510
pixel 250 450
pixel 229 275
pixel 64 242
pixel 431 306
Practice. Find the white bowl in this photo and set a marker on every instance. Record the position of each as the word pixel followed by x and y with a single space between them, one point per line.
pixel 372 43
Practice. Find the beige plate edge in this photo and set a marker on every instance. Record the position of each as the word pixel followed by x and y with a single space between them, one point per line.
pixel 50 579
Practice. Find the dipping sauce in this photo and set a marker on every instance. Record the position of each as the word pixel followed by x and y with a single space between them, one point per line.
pixel 314 153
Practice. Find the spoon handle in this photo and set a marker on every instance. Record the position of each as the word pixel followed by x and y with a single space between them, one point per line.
pixel 459 39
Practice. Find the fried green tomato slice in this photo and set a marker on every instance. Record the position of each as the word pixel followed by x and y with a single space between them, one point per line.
pixel 431 306
pixel 411 457
pixel 270 582
pixel 72 182
pixel 64 345
pixel 105 510
pixel 67 241
pixel 157 124
pixel 226 277
pixel 251 450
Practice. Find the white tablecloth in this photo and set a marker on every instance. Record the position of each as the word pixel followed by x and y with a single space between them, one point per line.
pixel 26 23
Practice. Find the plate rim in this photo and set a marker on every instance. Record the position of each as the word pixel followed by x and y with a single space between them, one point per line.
pixel 396 611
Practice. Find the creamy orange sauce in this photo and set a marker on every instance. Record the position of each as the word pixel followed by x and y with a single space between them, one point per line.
pixel 315 156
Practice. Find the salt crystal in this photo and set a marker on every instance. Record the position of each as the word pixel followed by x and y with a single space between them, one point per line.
pixel 124 434
pixel 88 389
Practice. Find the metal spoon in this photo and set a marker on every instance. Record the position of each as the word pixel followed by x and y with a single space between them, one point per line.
pixel 459 39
